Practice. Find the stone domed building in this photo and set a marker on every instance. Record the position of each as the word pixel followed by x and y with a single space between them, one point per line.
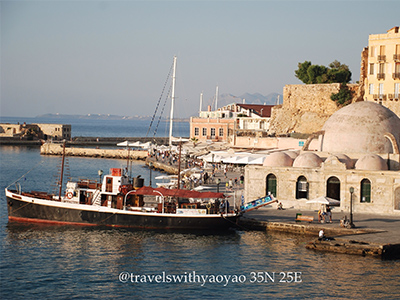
pixel 358 149
pixel 362 127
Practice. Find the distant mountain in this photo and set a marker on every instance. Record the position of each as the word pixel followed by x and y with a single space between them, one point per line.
pixel 94 117
pixel 256 98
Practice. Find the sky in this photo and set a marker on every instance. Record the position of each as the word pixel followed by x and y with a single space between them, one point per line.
pixel 113 57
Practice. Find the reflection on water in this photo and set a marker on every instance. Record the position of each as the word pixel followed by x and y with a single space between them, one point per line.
pixel 68 261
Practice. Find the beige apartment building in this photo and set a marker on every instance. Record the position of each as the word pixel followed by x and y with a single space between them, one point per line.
pixel 382 67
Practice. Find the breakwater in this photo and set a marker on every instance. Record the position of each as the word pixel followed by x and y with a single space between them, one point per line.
pixel 85 141
pixel 57 149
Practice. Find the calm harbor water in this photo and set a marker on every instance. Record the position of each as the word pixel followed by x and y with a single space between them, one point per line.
pixel 71 262
pixel 109 128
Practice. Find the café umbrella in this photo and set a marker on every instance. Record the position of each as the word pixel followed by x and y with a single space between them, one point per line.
pixel 325 200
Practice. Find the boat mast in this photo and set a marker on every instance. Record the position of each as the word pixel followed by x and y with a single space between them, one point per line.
pixel 62 171
pixel 216 99
pixel 172 102
pixel 201 102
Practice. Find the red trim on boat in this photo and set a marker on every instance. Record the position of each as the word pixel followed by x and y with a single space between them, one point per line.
pixel 19 219
pixel 41 221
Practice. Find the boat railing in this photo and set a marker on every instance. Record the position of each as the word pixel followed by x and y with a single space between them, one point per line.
pixel 89 184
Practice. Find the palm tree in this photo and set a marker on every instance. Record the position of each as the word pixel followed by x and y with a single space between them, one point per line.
pixel 194 140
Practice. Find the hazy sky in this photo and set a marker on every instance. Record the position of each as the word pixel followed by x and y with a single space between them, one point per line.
pixel 113 57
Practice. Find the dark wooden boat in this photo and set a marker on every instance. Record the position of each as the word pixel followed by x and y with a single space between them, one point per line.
pixel 120 201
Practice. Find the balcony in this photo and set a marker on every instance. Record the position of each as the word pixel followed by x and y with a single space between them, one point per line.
pixel 396 57
pixel 396 75
pixel 393 97
pixel 380 76
pixel 379 96
pixel 381 57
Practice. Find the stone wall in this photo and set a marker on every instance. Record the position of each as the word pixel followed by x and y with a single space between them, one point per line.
pixel 57 149
pixel 306 107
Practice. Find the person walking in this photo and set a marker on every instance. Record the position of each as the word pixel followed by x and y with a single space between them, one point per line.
pixel 329 213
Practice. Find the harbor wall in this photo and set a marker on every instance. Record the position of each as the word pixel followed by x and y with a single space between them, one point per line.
pixel 57 149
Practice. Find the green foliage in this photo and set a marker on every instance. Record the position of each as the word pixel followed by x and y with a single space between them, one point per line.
pixel 312 74
pixel 343 97
pixel 194 140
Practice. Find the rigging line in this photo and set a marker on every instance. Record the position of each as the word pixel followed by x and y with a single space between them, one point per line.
pixel 161 113
pixel 159 100
pixel 37 165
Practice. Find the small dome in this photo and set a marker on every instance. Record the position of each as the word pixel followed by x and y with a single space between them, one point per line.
pixel 343 158
pixel 371 162
pixel 361 127
pixel 307 160
pixel 292 154
pixel 278 159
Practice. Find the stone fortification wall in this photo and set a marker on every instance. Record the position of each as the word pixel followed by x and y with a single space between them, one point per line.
pixel 306 107
pixel 57 149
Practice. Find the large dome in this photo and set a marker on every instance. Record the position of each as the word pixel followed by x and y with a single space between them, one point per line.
pixel 360 128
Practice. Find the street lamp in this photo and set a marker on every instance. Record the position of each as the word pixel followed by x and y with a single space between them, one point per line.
pixel 351 225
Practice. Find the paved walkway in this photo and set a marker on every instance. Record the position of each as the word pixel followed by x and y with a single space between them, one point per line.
pixel 388 228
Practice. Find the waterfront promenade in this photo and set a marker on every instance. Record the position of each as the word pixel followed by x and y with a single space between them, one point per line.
pixel 373 234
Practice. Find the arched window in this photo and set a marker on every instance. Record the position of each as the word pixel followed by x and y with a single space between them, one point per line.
pixel 333 188
pixel 301 188
pixel 365 191
pixel 271 184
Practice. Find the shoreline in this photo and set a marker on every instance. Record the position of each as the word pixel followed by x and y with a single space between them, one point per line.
pixel 365 240
pixel 85 141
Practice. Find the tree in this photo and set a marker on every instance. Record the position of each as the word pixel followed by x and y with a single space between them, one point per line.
pixel 343 97
pixel 312 74
pixel 194 140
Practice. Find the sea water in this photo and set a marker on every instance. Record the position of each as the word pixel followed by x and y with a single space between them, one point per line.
pixel 74 262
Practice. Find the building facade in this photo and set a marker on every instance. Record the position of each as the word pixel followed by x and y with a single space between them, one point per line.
pixel 382 69
pixel 358 163
pixel 36 131
pixel 230 121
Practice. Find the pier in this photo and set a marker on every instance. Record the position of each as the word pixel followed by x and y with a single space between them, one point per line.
pixel 373 235
pixel 123 153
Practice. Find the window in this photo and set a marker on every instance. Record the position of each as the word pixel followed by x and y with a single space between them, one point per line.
pixel 382 50
pixel 204 131
pixel 271 185
pixel 221 132
pixel 196 131
pixel 396 90
pixel 365 191
pixel 371 88
pixel 381 69
pixel 212 132
pixel 396 73
pixel 371 69
pixel 301 188
pixel 333 188
pixel 372 54
pixel 380 90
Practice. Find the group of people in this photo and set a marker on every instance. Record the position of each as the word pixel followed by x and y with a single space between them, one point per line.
pixel 325 214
